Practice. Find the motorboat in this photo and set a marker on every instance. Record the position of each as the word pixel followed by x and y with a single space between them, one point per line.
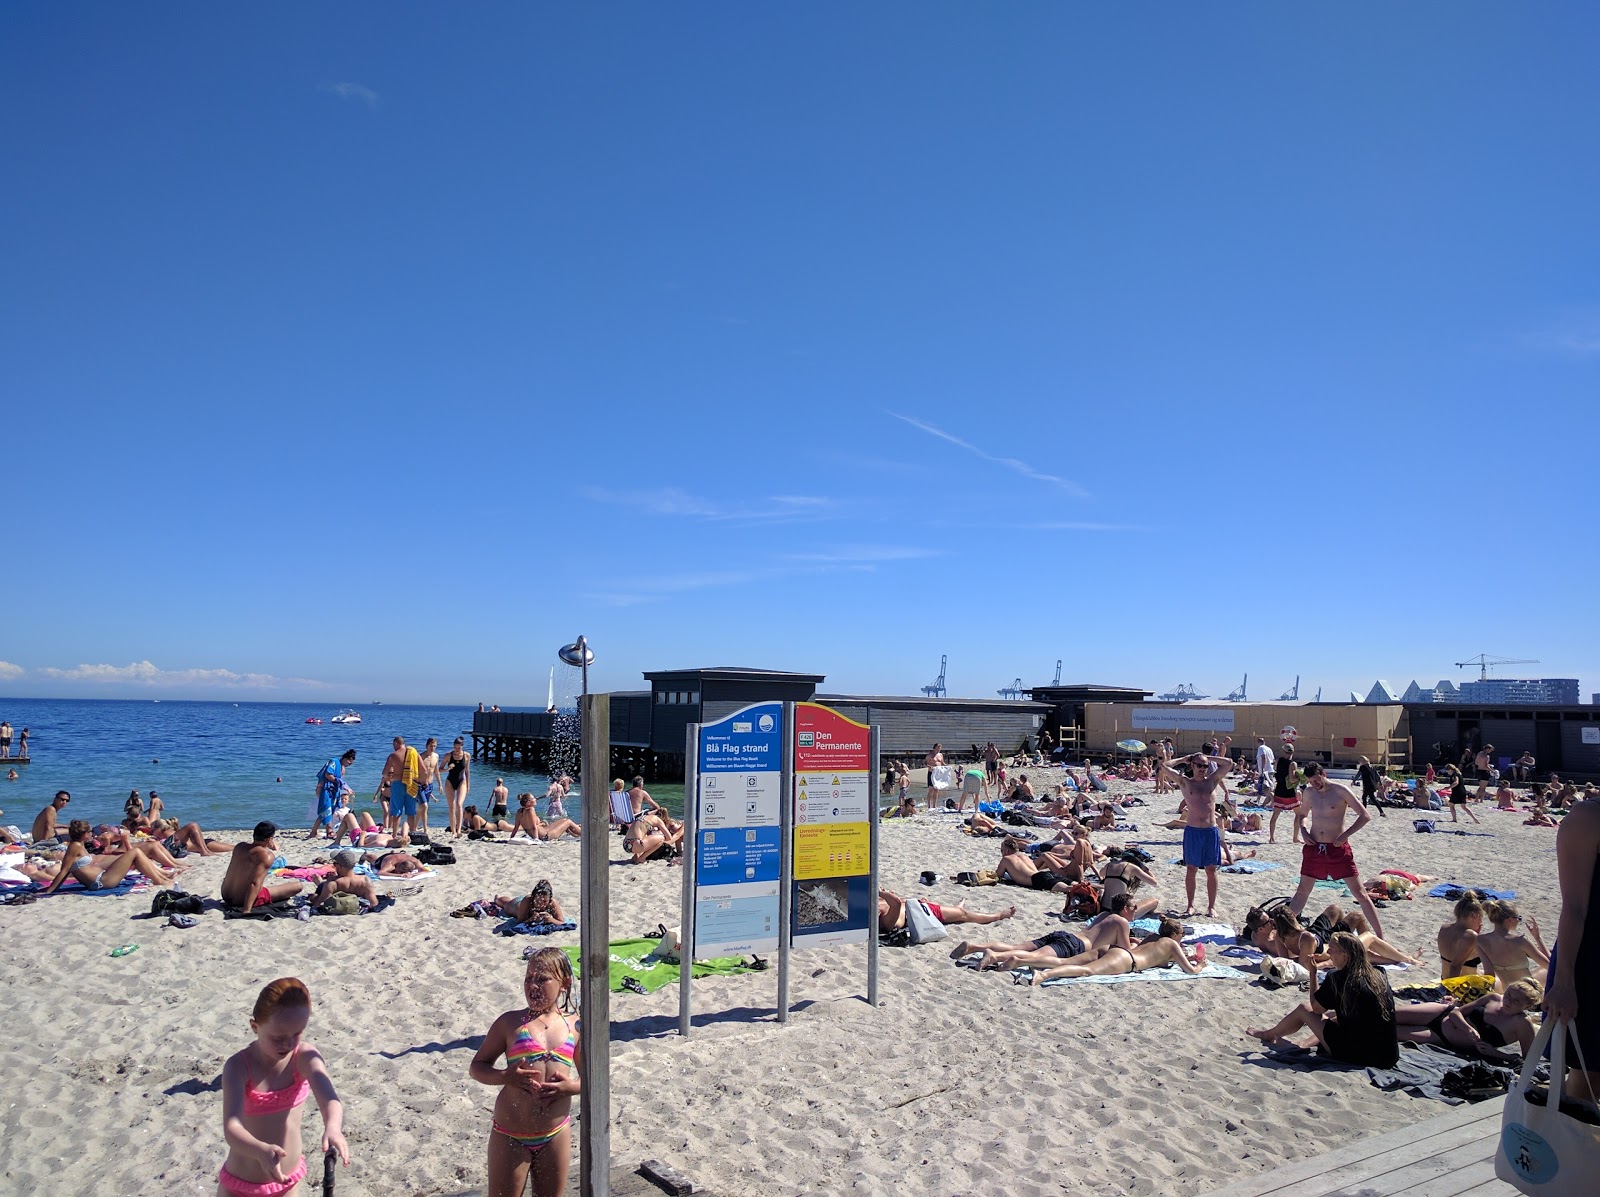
pixel 346 717
pixel 313 719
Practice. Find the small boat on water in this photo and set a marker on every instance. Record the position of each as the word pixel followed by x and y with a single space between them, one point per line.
pixel 313 719
pixel 346 717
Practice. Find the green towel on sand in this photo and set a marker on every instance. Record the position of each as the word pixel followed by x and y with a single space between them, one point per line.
pixel 631 958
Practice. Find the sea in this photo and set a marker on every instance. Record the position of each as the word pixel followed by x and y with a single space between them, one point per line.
pixel 228 765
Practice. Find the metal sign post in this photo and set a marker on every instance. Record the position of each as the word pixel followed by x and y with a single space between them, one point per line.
pixel 691 806
pixel 785 861
pixel 594 998
pixel 872 939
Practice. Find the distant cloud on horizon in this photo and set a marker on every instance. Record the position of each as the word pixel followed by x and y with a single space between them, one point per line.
pixel 150 674
pixel 1576 334
pixel 354 91
pixel 669 501
pixel 8 670
pixel 1010 463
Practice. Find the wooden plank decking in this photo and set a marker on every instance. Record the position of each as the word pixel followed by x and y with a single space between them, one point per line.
pixel 1451 1155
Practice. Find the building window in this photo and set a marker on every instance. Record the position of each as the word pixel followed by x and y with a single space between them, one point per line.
pixel 694 698
pixel 661 698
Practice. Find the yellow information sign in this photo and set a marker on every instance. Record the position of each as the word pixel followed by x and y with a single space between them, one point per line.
pixel 831 850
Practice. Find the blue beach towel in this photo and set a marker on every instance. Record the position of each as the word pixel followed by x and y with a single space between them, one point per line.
pixel 1251 866
pixel 511 927
pixel 126 886
pixel 1454 892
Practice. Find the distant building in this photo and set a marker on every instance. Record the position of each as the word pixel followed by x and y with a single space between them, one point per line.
pixel 1526 691
pixel 1381 692
pixel 1442 691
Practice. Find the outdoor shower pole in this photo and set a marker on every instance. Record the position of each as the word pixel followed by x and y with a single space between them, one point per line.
pixel 594 1003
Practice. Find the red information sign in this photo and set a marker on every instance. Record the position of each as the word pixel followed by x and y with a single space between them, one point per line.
pixel 833 902
pixel 825 740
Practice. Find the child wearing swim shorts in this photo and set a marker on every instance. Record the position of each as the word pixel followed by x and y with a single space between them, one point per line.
pixel 533 1113
pixel 263 1088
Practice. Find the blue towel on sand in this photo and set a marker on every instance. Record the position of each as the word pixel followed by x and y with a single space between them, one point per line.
pixel 1251 866
pixel 1452 891
pixel 124 887
pixel 511 927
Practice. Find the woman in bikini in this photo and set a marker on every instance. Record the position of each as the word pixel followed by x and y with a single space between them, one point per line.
pixel 457 780
pixel 263 1088
pixel 476 822
pixel 1055 947
pixel 190 838
pixel 1510 956
pixel 649 836
pixel 1458 940
pixel 533 1112
pixel 101 872
pixel 540 905
pixel 1158 951
pixel 1120 878
pixel 1486 1027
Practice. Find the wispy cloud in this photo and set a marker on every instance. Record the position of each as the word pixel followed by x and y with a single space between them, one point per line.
pixel 8 670
pixel 1037 526
pixel 1013 464
pixel 669 501
pixel 864 554
pixel 354 91
pixel 832 560
pixel 1576 334
pixel 148 673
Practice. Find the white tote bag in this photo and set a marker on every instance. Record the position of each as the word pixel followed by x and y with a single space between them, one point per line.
pixel 1543 1150
pixel 920 921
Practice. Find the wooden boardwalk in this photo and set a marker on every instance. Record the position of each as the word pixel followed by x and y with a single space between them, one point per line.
pixel 1451 1155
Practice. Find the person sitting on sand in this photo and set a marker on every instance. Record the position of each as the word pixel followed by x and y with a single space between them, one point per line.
pixel 1540 817
pixel 244 885
pixel 892 912
pixel 44 824
pixel 906 809
pixel 1351 1013
pixel 189 838
pixel 539 906
pixel 1486 1027
pixel 650 836
pixel 1056 947
pixel 476 822
pixel 1458 940
pixel 1504 799
pixel 100 872
pixel 346 880
pixel 529 824
pixel 1119 878
pixel 1016 867
pixel 1161 950
pixel 1506 952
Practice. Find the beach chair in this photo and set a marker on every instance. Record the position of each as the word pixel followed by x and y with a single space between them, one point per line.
pixel 621 808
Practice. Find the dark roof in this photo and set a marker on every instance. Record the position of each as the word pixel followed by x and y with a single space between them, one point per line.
pixel 733 673
pixel 918 700
pixel 1085 687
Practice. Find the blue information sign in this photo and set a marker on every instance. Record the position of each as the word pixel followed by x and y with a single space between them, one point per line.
pixel 737 832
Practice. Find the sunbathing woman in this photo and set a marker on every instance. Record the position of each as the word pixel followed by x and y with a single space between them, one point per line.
pixel 1055 947
pixel 1351 1013
pixel 530 825
pixel 476 822
pixel 892 913
pixel 364 833
pixel 190 838
pixel 101 872
pixel 1458 940
pixel 1158 951
pixel 649 837
pixel 1485 1027
pixel 540 906
pixel 392 864
pixel 1120 878
pixel 1506 953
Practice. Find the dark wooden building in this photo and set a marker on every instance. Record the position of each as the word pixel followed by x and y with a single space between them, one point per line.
pixel 1563 739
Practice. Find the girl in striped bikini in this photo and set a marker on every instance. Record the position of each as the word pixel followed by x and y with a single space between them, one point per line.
pixel 533 1114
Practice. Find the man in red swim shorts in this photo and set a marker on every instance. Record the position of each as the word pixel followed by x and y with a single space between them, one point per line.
pixel 1327 855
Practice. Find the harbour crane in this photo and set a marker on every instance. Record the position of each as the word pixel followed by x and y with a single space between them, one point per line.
pixel 1292 695
pixel 1239 694
pixel 937 689
pixel 1484 660
pixel 1057 682
pixel 1014 690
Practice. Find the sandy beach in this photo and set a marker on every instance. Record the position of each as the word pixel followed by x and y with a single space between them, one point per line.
pixel 960 1084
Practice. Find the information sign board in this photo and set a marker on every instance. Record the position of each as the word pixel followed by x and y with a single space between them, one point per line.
pixel 832 900
pixel 738 840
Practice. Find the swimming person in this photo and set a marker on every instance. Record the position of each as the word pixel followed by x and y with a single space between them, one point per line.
pixel 263 1088
pixel 533 1111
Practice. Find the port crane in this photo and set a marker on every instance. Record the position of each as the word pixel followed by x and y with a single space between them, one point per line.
pixel 937 689
pixel 1483 661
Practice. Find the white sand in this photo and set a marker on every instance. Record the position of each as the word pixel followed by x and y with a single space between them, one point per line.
pixel 961 1083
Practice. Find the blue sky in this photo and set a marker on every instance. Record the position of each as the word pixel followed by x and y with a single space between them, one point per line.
pixel 376 350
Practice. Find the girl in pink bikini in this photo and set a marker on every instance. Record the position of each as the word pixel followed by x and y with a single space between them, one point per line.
pixel 533 1112
pixel 263 1088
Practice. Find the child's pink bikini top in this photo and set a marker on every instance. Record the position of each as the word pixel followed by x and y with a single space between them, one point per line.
pixel 273 1101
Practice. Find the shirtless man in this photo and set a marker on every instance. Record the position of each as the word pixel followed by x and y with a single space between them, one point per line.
pixel 498 797
pixel 244 884
pixel 1017 868
pixel 892 913
pixel 639 798
pixel 44 826
pixel 400 805
pixel 426 780
pixel 1159 951
pixel 1327 855
pixel 345 880
pixel 931 762
pixel 1481 761
pixel 1202 838
pixel 1056 947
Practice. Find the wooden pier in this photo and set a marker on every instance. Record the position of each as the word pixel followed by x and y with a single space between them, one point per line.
pixel 540 742
pixel 1451 1155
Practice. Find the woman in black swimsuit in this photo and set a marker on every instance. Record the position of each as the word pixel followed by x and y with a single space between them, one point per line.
pixel 457 779
pixel 1486 1027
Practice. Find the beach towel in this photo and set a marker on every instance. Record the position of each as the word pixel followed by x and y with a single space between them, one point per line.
pixel 1251 866
pixel 632 959
pixel 1454 893
pixel 939 777
pixel 411 771
pixel 131 884
pixel 292 908
pixel 512 927
pixel 1214 972
pixel 1423 1070
pixel 306 873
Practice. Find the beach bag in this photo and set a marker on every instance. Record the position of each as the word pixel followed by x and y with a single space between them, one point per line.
pixel 668 948
pixel 1083 902
pixel 439 854
pixel 341 904
pixel 1548 1141
pixel 1423 824
pixel 1278 971
pixel 920 922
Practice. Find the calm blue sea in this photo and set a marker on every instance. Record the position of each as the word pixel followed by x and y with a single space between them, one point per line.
pixel 223 764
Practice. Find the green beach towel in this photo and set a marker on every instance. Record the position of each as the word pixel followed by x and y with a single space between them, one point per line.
pixel 631 958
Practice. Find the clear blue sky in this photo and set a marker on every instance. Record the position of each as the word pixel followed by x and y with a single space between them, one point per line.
pixel 390 346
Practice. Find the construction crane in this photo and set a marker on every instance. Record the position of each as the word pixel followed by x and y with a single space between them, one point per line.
pixel 1014 690
pixel 1292 695
pixel 1181 693
pixel 937 689
pixel 1057 682
pixel 1238 695
pixel 1484 660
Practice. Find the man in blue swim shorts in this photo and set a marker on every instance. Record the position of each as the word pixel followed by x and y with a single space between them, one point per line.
pixel 1202 839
